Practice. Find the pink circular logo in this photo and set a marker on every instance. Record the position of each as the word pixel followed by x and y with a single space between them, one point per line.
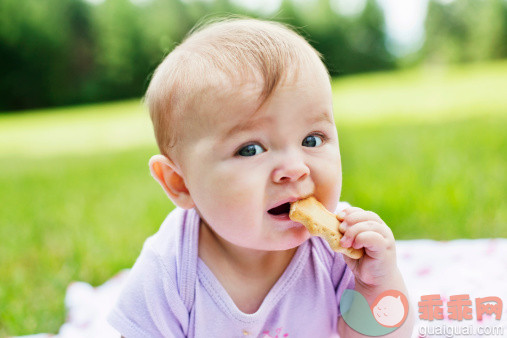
pixel 390 309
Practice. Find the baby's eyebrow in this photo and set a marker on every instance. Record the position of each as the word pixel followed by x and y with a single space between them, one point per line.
pixel 246 125
pixel 322 116
pixel 256 123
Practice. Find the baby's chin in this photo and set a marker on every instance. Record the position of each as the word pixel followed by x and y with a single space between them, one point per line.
pixel 297 241
pixel 288 241
pixel 271 240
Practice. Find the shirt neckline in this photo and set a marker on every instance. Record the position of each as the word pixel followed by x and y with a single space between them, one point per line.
pixel 223 300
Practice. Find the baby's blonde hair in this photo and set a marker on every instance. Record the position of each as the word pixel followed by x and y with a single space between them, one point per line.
pixel 225 49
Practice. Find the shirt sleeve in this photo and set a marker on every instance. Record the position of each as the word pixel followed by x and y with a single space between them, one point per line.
pixel 342 277
pixel 149 304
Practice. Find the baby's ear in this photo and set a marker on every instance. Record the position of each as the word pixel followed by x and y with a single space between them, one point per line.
pixel 167 174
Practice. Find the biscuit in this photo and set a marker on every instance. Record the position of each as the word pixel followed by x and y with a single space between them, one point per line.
pixel 320 222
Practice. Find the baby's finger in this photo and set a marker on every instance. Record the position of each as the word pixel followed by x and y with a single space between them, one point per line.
pixel 347 211
pixel 373 243
pixel 362 216
pixel 351 232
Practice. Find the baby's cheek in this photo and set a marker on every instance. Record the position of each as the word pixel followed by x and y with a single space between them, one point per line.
pixel 328 188
pixel 237 189
pixel 232 194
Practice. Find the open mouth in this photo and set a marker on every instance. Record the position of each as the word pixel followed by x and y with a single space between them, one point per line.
pixel 282 209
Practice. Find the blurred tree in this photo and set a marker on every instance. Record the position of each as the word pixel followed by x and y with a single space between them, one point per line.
pixel 78 57
pixel 349 44
pixel 57 52
pixel 122 53
pixel 366 41
pixel 466 31
pixel 35 47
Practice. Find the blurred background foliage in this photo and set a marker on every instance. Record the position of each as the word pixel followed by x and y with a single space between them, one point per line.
pixel 62 52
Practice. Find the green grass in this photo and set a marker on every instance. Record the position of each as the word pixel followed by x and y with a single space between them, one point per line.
pixel 69 218
pixel 75 130
pixel 439 181
pixel 77 200
pixel 423 94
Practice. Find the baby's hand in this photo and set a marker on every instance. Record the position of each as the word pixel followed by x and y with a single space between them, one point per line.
pixel 365 229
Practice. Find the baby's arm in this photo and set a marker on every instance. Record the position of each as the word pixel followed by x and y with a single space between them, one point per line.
pixel 376 271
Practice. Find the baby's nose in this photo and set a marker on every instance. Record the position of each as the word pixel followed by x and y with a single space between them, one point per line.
pixel 291 169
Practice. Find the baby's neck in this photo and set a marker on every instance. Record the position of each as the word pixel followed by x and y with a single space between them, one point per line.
pixel 246 274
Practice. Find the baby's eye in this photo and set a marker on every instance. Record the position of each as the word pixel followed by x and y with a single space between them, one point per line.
pixel 312 141
pixel 250 150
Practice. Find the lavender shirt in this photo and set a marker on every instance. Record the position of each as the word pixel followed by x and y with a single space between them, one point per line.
pixel 170 292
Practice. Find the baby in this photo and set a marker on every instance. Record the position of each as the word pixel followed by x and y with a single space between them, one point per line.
pixel 243 117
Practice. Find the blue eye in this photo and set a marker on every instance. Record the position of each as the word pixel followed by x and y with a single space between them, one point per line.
pixel 312 141
pixel 250 150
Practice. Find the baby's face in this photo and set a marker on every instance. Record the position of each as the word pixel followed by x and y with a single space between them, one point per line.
pixel 243 167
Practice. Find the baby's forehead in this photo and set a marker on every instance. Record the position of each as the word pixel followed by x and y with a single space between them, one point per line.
pixel 231 98
pixel 242 98
pixel 221 87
